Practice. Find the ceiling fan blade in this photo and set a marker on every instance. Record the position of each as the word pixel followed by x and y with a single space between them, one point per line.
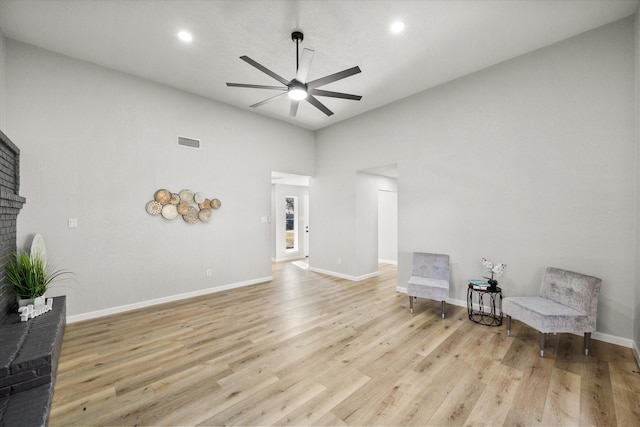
pixel 319 105
pixel 305 65
pixel 267 100
pixel 333 77
pixel 256 86
pixel 264 69
pixel 319 92
pixel 294 108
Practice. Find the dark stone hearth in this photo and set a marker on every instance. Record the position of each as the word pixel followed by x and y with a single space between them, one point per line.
pixel 29 360
pixel 29 408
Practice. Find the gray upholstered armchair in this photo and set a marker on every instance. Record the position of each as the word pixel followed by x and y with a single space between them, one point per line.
pixel 568 302
pixel 429 278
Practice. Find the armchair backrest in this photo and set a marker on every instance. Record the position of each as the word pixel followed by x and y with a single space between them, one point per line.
pixel 575 290
pixel 433 266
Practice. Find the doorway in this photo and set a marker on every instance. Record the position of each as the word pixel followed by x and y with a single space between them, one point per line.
pixel 388 227
pixel 290 228
pixel 377 217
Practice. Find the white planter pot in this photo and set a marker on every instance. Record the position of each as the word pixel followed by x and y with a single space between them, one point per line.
pixel 24 302
pixel 33 301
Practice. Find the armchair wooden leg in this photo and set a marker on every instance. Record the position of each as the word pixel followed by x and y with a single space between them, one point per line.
pixel 541 344
pixel 508 325
pixel 411 299
pixel 587 341
pixel 443 309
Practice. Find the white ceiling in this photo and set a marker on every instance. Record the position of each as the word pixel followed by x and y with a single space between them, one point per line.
pixel 443 40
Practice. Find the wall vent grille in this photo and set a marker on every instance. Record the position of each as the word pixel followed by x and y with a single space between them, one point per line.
pixel 188 142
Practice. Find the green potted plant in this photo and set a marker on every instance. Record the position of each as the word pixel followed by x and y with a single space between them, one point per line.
pixel 29 276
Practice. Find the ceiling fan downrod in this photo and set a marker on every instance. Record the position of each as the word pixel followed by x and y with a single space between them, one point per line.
pixel 297 37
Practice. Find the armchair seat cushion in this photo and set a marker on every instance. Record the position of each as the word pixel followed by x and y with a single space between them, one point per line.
pixel 425 287
pixel 546 315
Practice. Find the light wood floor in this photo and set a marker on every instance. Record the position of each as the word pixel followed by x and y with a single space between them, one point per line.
pixel 308 349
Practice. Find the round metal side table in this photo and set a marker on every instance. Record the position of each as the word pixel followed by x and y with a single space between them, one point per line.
pixel 484 306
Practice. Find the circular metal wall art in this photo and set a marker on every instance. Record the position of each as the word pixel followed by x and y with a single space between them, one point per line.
pixel 206 204
pixel 183 208
pixel 193 207
pixel 191 217
pixel 186 196
pixel 154 208
pixel 162 196
pixel 204 215
pixel 198 198
pixel 169 211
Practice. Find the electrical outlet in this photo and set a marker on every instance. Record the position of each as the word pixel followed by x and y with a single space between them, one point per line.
pixel 339 260
pixel 73 222
pixel 209 272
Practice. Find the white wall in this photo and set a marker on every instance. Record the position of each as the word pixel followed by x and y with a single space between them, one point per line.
pixel 388 226
pixel 530 162
pixel 280 192
pixel 96 144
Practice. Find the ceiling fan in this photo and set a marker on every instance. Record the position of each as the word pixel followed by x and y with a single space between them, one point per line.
pixel 299 88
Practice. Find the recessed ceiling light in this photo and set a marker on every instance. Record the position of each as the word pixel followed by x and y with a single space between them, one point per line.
pixel 185 36
pixel 397 27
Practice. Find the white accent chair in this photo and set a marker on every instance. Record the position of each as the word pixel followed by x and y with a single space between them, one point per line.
pixel 568 303
pixel 429 278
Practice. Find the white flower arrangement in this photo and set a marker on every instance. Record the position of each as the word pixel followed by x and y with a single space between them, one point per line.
pixel 492 268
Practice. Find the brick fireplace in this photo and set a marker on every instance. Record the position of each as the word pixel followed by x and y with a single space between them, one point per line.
pixel 10 205
pixel 29 351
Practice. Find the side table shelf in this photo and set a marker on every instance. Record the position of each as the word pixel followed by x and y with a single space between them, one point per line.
pixel 484 306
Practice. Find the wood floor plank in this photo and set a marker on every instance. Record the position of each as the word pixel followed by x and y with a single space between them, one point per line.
pixel 457 406
pixel 268 405
pixel 310 349
pixel 162 398
pixel 338 386
pixel 493 405
pixel 562 406
pixel 625 381
pixel 434 386
pixel 533 391
pixel 596 396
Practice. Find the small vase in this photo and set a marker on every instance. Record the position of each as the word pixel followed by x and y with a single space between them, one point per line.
pixel 31 301
pixel 24 302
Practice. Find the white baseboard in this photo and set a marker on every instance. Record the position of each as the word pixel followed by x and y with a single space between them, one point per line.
pixel 611 339
pixel 344 276
pixel 636 352
pixel 387 261
pixel 149 303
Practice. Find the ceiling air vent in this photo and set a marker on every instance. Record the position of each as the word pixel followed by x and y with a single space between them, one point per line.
pixel 188 142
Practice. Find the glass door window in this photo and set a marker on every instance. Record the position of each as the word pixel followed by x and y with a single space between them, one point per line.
pixel 291 223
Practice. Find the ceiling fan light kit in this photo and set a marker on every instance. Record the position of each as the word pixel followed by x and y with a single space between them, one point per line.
pixel 297 91
pixel 299 88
